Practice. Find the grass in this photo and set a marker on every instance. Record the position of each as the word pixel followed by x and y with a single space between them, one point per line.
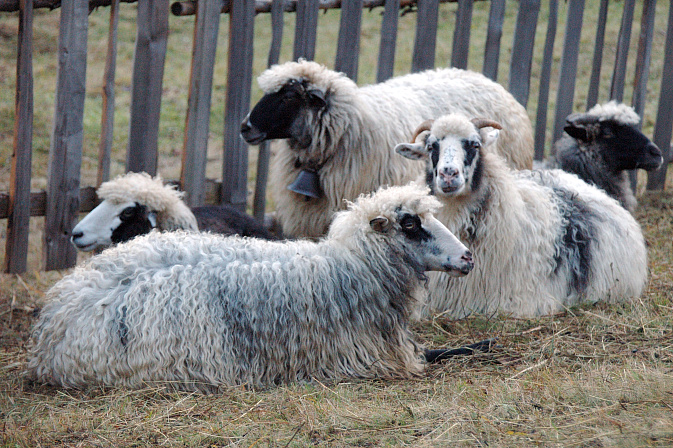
pixel 592 376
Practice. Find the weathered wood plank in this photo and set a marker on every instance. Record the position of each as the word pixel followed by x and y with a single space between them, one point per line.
pixel 305 29
pixel 619 73
pixel 18 200
pixel 522 50
pixel 566 87
pixel 239 79
pixel 496 18
pixel 461 34
pixel 65 154
pixel 107 118
pixel 545 80
pixel 259 203
pixel 386 64
pixel 197 122
pixel 595 79
pixel 423 57
pixel 13 5
pixel 348 46
pixel 662 127
pixel 38 202
pixel 148 73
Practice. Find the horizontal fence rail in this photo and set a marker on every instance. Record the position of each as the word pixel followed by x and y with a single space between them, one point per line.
pixel 65 198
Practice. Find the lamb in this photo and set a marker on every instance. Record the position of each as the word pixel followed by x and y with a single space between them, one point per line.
pixel 344 135
pixel 201 311
pixel 542 240
pixel 602 144
pixel 135 203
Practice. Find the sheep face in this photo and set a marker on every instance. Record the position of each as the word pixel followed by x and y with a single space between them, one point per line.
pixel 112 223
pixel 621 146
pixel 284 114
pixel 452 149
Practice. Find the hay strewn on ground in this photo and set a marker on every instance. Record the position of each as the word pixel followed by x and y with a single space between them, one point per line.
pixel 593 376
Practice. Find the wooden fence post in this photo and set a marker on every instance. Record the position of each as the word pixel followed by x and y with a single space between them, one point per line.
pixel 348 47
pixel 522 50
pixel 496 18
pixel 16 245
pixel 595 80
pixel 197 122
pixel 545 80
pixel 65 154
pixel 386 63
pixel 619 73
pixel 426 35
pixel 461 34
pixel 148 73
pixel 239 80
pixel 306 27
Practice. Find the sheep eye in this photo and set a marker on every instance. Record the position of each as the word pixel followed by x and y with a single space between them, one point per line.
pixel 408 224
pixel 434 146
pixel 127 213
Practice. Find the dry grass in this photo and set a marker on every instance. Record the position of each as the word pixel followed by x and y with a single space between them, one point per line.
pixel 599 375
pixel 590 377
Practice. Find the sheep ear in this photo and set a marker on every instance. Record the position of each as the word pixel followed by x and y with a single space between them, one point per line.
pixel 413 151
pixel 380 224
pixel 577 131
pixel 317 98
pixel 152 218
pixel 490 137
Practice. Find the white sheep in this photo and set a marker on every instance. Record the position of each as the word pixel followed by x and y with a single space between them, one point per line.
pixel 200 311
pixel 135 203
pixel 602 144
pixel 346 134
pixel 542 240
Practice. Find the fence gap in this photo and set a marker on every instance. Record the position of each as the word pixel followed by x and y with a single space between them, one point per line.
pixel 619 73
pixel 148 73
pixel 18 221
pixel 545 81
pixel 595 80
pixel 65 153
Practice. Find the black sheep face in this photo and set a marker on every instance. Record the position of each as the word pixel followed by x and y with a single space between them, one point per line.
pixel 284 114
pixel 622 147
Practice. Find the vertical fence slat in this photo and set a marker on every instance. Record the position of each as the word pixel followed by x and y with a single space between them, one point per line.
pixel 656 180
pixel 305 29
pixel 16 245
pixel 545 81
pixel 107 118
pixel 496 18
pixel 595 79
pixel 461 34
pixel 566 87
pixel 148 72
pixel 426 35
pixel 386 63
pixel 239 79
pixel 522 50
pixel 197 123
pixel 65 154
pixel 259 204
pixel 348 48
pixel 619 74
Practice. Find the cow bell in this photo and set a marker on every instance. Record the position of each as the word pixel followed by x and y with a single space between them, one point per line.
pixel 307 183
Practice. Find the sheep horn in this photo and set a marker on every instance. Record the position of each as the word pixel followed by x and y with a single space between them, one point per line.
pixel 483 123
pixel 425 126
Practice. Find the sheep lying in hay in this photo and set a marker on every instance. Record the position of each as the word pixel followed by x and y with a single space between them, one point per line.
pixel 341 136
pixel 135 203
pixel 542 240
pixel 602 144
pixel 199 310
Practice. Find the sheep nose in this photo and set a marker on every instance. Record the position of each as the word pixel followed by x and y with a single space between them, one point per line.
pixel 76 235
pixel 469 262
pixel 448 173
pixel 245 125
pixel 654 149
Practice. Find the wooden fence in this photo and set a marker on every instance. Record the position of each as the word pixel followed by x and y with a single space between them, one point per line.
pixel 64 198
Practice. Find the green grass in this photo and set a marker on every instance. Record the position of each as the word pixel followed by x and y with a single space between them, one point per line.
pixel 593 376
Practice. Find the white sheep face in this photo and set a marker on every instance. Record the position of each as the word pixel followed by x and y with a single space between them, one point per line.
pixel 110 223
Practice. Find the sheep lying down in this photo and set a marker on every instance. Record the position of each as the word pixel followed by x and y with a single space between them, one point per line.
pixel 201 311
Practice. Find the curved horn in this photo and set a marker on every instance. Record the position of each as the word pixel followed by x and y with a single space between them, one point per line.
pixel 425 126
pixel 483 122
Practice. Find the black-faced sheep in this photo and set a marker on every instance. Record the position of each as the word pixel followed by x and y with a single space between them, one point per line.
pixel 325 123
pixel 542 240
pixel 602 144
pixel 199 310
pixel 135 203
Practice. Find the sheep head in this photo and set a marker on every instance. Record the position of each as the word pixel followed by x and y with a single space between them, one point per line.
pixel 452 147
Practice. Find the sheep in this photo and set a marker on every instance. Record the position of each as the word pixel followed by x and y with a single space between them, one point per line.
pixel 201 311
pixel 602 144
pixel 345 135
pixel 543 240
pixel 135 203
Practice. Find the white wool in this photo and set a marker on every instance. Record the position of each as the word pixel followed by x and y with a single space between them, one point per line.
pixel 616 111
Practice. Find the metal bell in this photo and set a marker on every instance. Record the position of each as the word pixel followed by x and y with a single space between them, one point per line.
pixel 307 183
